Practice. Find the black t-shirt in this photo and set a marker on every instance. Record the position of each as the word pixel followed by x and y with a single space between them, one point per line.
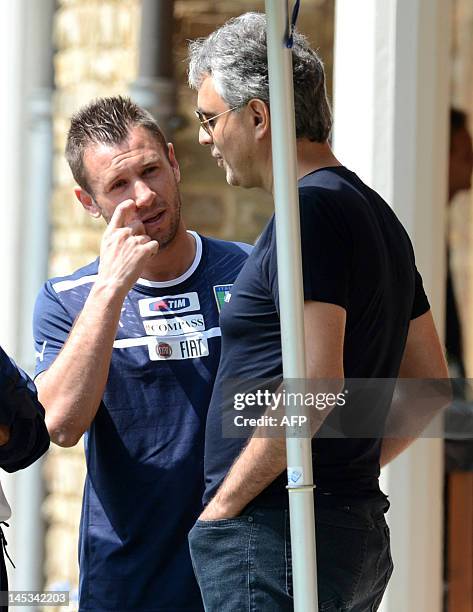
pixel 356 254
pixel 453 335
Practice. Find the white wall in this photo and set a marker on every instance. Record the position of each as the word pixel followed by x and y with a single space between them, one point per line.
pixel 11 179
pixel 391 91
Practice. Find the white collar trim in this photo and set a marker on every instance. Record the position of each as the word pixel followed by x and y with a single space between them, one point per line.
pixel 180 279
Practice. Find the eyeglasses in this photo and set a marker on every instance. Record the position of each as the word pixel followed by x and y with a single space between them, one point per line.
pixel 207 124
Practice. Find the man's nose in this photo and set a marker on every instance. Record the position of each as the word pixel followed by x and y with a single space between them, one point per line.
pixel 144 195
pixel 204 137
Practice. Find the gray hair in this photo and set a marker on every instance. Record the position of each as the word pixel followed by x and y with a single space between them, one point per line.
pixel 105 121
pixel 235 56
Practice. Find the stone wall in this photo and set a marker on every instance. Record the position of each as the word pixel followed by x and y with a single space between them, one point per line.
pixel 228 212
pixel 96 55
pixel 96 44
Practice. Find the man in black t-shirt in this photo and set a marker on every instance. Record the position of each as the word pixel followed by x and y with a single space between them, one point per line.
pixel 365 314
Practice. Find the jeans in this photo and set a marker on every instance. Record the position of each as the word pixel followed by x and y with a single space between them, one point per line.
pixel 244 564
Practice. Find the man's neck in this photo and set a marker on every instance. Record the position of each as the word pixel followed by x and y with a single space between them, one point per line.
pixel 173 260
pixel 313 156
pixel 310 156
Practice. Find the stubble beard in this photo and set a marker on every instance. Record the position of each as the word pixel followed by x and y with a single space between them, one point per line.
pixel 167 238
pixel 174 211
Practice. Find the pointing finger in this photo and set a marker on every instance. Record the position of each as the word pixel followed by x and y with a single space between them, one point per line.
pixel 152 247
pixel 137 227
pixel 124 213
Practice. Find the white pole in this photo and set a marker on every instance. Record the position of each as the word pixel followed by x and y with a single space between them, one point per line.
pixel 286 199
pixel 12 43
pixel 37 158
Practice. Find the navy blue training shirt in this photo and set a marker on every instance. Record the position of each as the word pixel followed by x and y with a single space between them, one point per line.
pixel 355 254
pixel 22 413
pixel 144 449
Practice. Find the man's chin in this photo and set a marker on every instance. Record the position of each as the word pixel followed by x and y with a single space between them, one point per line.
pixel 166 239
pixel 231 178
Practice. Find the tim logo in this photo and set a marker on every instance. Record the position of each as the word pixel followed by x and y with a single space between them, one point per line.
pixel 167 304
pixel 170 304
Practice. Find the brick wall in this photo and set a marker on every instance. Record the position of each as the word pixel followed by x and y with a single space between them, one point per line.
pixel 97 55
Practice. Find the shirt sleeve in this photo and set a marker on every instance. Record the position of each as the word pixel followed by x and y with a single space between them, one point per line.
pixel 22 413
pixel 51 327
pixel 421 303
pixel 326 249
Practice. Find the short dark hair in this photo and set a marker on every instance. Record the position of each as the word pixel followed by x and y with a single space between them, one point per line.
pixel 105 121
pixel 235 56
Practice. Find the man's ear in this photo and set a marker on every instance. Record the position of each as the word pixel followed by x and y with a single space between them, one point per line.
pixel 261 118
pixel 174 163
pixel 88 202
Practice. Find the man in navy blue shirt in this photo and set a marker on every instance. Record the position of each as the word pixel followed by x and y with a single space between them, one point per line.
pixel 366 316
pixel 128 349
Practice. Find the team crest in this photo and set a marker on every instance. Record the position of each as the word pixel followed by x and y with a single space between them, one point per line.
pixel 222 295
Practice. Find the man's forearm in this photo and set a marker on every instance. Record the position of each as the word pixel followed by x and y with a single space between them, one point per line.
pixel 4 434
pixel 392 447
pixel 264 458
pixel 72 388
pixel 261 462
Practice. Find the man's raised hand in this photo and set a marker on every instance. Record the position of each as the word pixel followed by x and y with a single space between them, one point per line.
pixel 125 248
